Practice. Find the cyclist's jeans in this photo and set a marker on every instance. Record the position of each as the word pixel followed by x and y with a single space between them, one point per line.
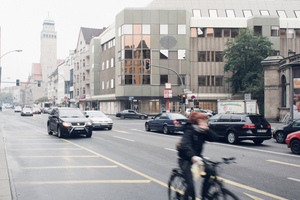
pixel 187 173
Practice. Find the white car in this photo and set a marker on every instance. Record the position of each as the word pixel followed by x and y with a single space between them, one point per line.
pixel 188 111
pixel 18 109
pixel 26 112
pixel 99 119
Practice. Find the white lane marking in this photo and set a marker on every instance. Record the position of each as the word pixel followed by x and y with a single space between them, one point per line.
pixel 123 138
pixel 170 149
pixel 293 179
pixel 285 154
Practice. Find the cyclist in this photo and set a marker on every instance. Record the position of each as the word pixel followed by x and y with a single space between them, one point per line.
pixel 190 149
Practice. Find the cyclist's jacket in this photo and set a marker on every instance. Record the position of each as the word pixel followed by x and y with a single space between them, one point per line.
pixel 192 141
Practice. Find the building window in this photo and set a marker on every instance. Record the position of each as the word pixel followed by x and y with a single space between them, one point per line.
pixel 275 31
pixel 146 79
pixel 219 80
pixel 128 79
pixel 201 56
pixel 164 54
pixel 83 76
pixel 128 54
pixel 107 84
pixel 181 54
pixel 217 32
pixel 290 33
pixel 207 80
pixel 264 12
pixel 181 29
pixel 297 13
pixel 163 79
pixel 201 32
pixel 230 13
pixel 102 85
pixel 209 32
pixel 107 64
pixel 218 56
pixel 281 14
pixel 234 32
pixel 83 90
pixel 77 66
pixel 297 33
pixel 77 91
pixel 258 30
pixel 77 78
pixel 112 62
pixel 247 13
pixel 208 56
pixel 127 29
pixel 212 56
pixel 213 13
pixel 182 78
pixel 103 65
pixel 282 32
pixel 119 31
pixel 119 55
pixel 83 62
pixel 201 80
pixel 226 32
pixel 112 83
pixel 146 29
pixel 197 13
pixel 163 29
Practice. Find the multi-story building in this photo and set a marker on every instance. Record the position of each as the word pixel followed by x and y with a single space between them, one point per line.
pixel 187 37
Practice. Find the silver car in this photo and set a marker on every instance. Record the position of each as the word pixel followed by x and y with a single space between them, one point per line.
pixel 99 119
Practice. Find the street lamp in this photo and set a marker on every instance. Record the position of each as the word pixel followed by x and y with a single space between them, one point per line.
pixel 1 67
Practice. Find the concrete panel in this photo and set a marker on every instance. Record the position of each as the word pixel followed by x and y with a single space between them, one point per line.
pixel 146 16
pixel 173 29
pixel 173 17
pixel 155 16
pixel 155 79
pixel 154 29
pixel 163 17
pixel 182 17
pixel 155 41
pixel 137 16
pixel 128 16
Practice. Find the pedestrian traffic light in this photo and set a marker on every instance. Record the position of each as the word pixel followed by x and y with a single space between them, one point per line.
pixel 39 83
pixel 147 64
pixel 17 82
pixel 183 97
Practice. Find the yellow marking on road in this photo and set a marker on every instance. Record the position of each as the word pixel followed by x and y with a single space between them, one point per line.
pixel 166 185
pixel 62 156
pixel 45 149
pixel 253 189
pixel 121 132
pixel 84 182
pixel 253 197
pixel 283 163
pixel 70 167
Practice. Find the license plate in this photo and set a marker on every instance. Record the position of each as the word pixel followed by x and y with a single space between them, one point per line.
pixel 79 128
pixel 261 130
pixel 104 124
pixel 183 122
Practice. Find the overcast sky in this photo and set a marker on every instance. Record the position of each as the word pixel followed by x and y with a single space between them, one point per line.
pixel 21 23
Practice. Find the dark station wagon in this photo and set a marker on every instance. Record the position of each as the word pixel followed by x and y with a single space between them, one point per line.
pixel 236 127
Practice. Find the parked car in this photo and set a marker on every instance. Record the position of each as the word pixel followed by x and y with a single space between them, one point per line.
pixel 188 112
pixel 26 112
pixel 99 119
pixel 236 127
pixel 18 109
pixel 36 110
pixel 68 121
pixel 166 122
pixel 45 110
pixel 281 132
pixel 293 142
pixel 131 114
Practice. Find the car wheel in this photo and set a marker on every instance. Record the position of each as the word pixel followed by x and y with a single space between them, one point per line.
pixel 165 129
pixel 89 134
pixel 147 127
pixel 295 146
pixel 48 130
pixel 258 141
pixel 122 117
pixel 109 128
pixel 142 117
pixel 231 138
pixel 280 137
pixel 59 133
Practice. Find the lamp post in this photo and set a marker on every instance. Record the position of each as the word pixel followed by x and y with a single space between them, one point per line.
pixel 1 67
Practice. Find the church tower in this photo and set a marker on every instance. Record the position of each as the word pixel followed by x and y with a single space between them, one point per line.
pixel 48 58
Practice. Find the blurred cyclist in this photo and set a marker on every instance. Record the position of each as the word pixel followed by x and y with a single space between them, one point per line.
pixel 189 152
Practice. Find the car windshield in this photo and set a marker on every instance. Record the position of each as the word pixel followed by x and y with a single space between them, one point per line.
pixel 176 116
pixel 26 109
pixel 96 114
pixel 72 113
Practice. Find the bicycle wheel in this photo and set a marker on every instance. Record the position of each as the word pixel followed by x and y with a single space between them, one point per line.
pixel 176 186
pixel 224 194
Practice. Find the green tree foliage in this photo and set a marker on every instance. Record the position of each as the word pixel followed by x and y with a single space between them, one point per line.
pixel 243 57
pixel 40 100
pixel 6 96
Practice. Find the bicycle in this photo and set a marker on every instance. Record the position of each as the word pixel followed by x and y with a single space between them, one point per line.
pixel 217 191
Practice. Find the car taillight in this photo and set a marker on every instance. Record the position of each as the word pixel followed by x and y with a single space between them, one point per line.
pixel 249 126
pixel 269 126
pixel 175 122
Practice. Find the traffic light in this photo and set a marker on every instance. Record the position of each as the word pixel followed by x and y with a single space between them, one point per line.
pixel 39 83
pixel 179 97
pixel 17 82
pixel 183 97
pixel 147 64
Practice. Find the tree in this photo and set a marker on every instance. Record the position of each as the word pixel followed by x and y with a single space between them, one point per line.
pixel 5 97
pixel 40 100
pixel 243 58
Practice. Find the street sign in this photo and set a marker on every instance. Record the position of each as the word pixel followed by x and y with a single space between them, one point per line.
pixel 193 97
pixel 130 98
pixel 168 94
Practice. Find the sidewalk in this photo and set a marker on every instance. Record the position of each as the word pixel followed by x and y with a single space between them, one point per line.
pixel 5 192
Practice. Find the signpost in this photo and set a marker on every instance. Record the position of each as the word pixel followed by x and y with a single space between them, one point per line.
pixel 168 93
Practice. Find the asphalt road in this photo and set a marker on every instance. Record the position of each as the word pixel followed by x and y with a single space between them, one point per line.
pixel 129 163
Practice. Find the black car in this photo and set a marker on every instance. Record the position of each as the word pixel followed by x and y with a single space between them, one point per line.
pixel 166 122
pixel 68 121
pixel 236 127
pixel 131 114
pixel 281 132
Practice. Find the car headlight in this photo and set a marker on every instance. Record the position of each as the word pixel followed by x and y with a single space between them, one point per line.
pixel 88 123
pixel 66 124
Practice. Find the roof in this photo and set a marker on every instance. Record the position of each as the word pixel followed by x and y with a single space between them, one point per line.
pixel 89 33
pixel 49 20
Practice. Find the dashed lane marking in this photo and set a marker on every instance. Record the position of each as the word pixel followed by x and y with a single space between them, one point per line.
pixel 293 179
pixel 70 167
pixel 121 131
pixel 123 138
pixel 284 163
pixel 61 156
